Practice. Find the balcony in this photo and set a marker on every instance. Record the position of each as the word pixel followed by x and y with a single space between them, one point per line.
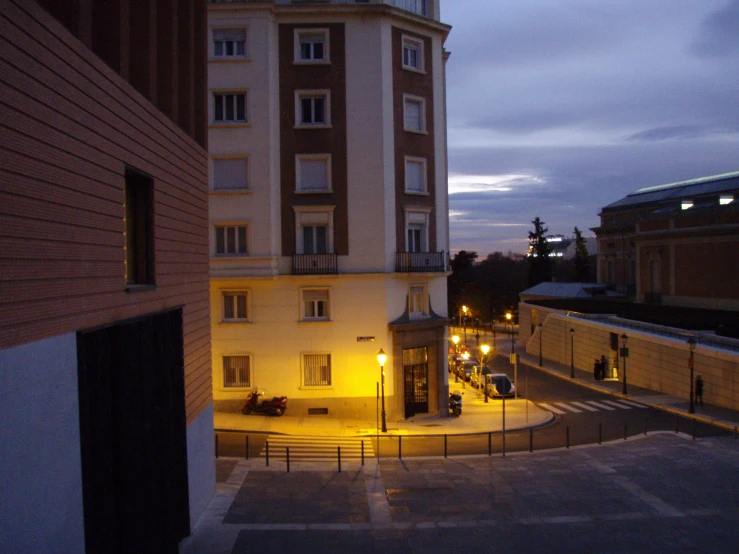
pixel 419 7
pixel 315 264
pixel 421 262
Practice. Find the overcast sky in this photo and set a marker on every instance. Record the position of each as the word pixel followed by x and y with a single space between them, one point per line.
pixel 557 108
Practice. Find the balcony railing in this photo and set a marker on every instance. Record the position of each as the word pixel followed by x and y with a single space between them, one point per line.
pixel 412 262
pixel 419 7
pixel 315 264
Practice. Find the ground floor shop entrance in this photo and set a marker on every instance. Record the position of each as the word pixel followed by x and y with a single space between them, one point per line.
pixel 416 381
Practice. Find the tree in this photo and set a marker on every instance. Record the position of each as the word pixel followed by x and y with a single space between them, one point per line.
pixel 582 259
pixel 463 260
pixel 540 266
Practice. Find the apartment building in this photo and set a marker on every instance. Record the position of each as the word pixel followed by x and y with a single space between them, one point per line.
pixel 106 396
pixel 329 230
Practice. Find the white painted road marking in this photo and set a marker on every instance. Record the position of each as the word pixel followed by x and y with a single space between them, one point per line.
pixel 585 406
pixel 570 408
pixel 599 405
pixel 552 409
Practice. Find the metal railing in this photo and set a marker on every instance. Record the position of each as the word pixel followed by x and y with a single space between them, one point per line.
pixel 419 7
pixel 409 262
pixel 315 264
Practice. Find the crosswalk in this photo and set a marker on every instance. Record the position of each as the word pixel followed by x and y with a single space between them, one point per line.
pixel 316 448
pixel 584 406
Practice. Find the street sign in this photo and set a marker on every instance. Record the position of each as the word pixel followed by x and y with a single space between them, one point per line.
pixel 365 339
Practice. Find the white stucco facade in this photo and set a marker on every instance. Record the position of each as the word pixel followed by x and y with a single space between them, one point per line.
pixel 366 293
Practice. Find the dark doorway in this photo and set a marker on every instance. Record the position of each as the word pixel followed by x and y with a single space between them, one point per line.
pixel 416 378
pixel 133 435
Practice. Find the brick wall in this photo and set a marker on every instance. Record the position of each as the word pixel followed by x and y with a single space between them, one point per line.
pixel 69 127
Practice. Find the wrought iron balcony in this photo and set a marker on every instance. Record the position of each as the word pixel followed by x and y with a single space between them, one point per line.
pixel 315 264
pixel 419 262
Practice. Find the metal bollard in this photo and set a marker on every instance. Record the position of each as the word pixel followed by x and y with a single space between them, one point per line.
pixel 626 431
pixel 287 457
pixel 490 444
pixel 246 447
pixel 216 446
pixel 338 453
pixel 400 447
pixel 445 446
pixel 531 440
pixel 266 451
pixel 568 436
pixel 600 433
pixel 362 452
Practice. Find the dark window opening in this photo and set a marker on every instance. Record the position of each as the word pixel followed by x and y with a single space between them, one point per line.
pixel 139 210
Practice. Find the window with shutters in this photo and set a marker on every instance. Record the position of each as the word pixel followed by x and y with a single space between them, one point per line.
pixel 414 114
pixel 317 370
pixel 313 172
pixel 311 46
pixel 237 372
pixel 416 230
pixel 415 175
pixel 315 304
pixel 235 306
pixel 231 240
pixel 229 43
pixel 412 54
pixel 230 174
pixel 312 108
pixel 314 229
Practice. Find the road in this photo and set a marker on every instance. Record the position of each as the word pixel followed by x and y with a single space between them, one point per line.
pixel 583 416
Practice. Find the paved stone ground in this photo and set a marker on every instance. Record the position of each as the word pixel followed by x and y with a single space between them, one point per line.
pixel 662 493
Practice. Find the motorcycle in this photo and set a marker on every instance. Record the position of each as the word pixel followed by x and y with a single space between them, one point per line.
pixel 256 403
pixel 455 402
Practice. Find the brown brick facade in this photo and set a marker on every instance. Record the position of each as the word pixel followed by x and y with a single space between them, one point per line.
pixel 70 128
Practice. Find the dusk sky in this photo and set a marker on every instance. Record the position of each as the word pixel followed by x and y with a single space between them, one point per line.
pixel 557 108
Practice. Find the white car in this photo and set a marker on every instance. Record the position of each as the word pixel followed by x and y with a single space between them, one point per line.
pixel 499 384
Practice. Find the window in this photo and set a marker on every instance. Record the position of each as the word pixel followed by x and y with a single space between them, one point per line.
pixel 139 222
pixel 313 172
pixel 229 107
pixel 317 370
pixel 412 53
pixel 229 43
pixel 726 199
pixel 237 372
pixel 314 228
pixel 686 204
pixel 311 46
pixel 416 226
pixel 229 173
pixel 312 108
pixel 314 239
pixel 315 304
pixel 417 301
pixel 235 306
pixel 231 240
pixel 415 175
pixel 414 114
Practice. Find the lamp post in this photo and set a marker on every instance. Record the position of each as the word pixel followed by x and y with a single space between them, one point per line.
pixel 493 326
pixel 541 332
pixel 484 349
pixel 455 340
pixel 465 309
pixel 382 358
pixel 691 346
pixel 572 353
pixel 624 355
pixel 509 318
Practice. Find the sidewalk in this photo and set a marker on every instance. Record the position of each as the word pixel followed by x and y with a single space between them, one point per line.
pixel 716 415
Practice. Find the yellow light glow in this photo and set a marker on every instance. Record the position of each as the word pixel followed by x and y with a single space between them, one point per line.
pixel 464 309
pixel 381 357
pixel 485 349
pixel 508 316
pixel 455 339
pixel 465 355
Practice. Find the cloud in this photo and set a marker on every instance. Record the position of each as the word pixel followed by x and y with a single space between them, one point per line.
pixel 665 133
pixel 720 33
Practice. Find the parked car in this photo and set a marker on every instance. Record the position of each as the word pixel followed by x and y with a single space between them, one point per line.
pixel 467 368
pixel 478 376
pixel 499 385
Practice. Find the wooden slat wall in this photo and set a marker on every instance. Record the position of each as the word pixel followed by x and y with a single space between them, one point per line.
pixel 69 125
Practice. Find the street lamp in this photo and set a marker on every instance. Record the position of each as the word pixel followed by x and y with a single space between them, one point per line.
pixel 541 332
pixel 455 340
pixel 509 318
pixel 484 349
pixel 572 353
pixel 691 346
pixel 382 358
pixel 465 309
pixel 624 355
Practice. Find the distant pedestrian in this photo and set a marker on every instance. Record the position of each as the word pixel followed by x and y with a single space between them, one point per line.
pixel 699 390
pixel 603 365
